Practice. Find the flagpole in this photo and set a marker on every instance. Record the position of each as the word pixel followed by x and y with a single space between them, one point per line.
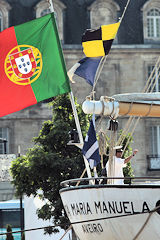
pixel 75 114
pixel 104 58
pixel 76 119
pixel 51 5
pixel 79 132
pixel 100 69
pixel 125 9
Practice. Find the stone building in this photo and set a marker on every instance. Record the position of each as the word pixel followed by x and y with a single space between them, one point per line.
pixel 127 68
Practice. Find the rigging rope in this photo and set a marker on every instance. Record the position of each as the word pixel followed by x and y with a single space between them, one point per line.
pixel 148 83
pixel 135 125
pixel 91 220
pixel 100 67
pixel 102 146
pixel 111 161
pixel 151 82
pixel 125 130
pixel 145 223
pixel 70 227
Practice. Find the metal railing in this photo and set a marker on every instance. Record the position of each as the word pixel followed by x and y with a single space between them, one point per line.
pixel 100 180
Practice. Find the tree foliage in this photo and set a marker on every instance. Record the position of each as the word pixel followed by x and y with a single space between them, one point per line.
pixel 51 161
pixel 23 236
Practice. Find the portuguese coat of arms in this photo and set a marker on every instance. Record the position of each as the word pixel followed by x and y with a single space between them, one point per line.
pixel 23 63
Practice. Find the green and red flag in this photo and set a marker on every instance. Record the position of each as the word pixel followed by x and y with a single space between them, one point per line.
pixel 32 66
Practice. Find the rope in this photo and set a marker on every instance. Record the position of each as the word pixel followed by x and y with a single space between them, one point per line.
pixel 70 227
pixel 131 133
pixel 157 77
pixel 130 107
pixel 111 163
pixel 90 220
pixel 125 130
pixel 148 83
pixel 102 115
pixel 149 110
pixel 98 72
pixel 102 146
pixel 145 223
pixel 102 143
pixel 152 78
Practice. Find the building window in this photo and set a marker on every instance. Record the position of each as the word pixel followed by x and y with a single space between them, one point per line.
pixel 154 82
pixel 45 11
pixel 103 13
pixel 4 141
pixel 4 15
pixel 42 8
pixel 154 158
pixel 153 23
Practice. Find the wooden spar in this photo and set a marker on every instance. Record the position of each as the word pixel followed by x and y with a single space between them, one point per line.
pixel 139 109
pixel 120 108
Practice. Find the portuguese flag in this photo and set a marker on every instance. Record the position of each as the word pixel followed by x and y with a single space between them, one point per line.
pixel 32 66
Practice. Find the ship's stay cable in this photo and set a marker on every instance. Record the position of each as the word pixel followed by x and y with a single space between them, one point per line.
pixel 111 165
pixel 156 209
pixel 102 146
pixel 142 228
pixel 134 127
pixel 98 72
pixel 149 87
pixel 70 227
pixel 151 77
pixel 149 82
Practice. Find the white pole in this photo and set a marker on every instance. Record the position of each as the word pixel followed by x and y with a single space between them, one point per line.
pixel 51 5
pixel 125 9
pixel 76 118
pixel 75 113
pixel 79 132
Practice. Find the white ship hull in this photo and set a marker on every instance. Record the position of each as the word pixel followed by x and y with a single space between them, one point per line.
pixel 113 212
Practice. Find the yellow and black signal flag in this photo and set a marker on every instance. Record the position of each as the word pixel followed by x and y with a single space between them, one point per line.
pixel 97 43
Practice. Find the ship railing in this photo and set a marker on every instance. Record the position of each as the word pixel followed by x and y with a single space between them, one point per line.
pixel 103 180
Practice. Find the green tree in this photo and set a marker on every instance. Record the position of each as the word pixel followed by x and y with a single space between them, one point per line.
pixel 9 233
pixel 23 236
pixel 51 161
